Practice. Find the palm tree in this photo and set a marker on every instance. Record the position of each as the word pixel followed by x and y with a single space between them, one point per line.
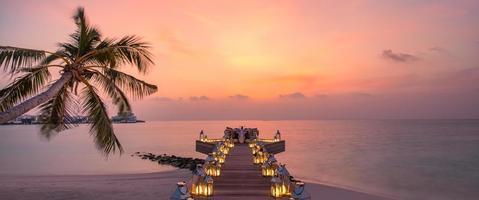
pixel 86 62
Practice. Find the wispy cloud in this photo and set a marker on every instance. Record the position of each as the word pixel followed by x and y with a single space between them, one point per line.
pixel 398 57
pixel 239 97
pixel 295 95
pixel 199 98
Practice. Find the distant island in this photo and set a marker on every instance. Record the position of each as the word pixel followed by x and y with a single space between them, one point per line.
pixel 124 117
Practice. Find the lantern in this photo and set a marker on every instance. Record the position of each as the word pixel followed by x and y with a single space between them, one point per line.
pixel 284 176
pixel 213 169
pixel 209 186
pixel 256 158
pixel 276 187
pixel 181 192
pixel 299 193
pixel 277 137
pixel 259 157
pixel 252 143
pixel 202 136
pixel 204 187
pixel 255 149
pixel 224 149
pixel 198 184
pixel 219 157
pixel 285 188
pixel 202 184
pixel 231 144
pixel 268 169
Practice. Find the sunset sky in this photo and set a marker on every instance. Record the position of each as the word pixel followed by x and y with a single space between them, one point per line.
pixel 283 59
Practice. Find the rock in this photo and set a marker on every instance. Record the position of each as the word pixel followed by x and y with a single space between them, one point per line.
pixel 175 161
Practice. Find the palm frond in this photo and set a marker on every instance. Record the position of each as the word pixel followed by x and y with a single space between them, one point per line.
pixel 136 88
pixel 23 87
pixel 58 55
pixel 129 50
pixel 58 113
pixel 85 37
pixel 13 58
pixel 114 92
pixel 101 127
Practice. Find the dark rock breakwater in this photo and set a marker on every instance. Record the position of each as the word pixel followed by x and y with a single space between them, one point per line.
pixel 172 160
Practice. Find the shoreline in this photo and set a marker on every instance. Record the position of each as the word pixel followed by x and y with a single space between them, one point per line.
pixel 154 185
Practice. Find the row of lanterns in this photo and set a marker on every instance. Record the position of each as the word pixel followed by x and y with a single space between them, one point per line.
pixel 280 177
pixel 202 182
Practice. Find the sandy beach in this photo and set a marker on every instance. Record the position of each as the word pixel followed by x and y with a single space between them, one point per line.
pixel 130 186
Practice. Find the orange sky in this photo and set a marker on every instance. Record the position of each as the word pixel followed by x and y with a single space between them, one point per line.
pixel 319 57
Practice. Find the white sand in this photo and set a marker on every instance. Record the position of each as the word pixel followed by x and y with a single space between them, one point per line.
pixel 157 186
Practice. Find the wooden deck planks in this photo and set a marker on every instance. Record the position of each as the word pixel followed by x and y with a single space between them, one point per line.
pixel 240 178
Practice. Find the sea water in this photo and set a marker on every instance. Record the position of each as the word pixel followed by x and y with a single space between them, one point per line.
pixel 405 159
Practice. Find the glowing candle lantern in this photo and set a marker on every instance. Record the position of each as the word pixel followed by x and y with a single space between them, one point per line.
pixel 224 149
pixel 276 187
pixel 202 184
pixel 284 176
pixel 213 169
pixel 252 144
pixel 197 183
pixel 268 169
pixel 219 157
pixel 285 188
pixel 231 144
pixel 256 158
pixel 277 137
pixel 259 157
pixel 209 186
pixel 256 148
pixel 202 136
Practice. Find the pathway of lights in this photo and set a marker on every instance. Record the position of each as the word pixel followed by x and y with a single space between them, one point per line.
pixel 201 184
pixel 202 181
pixel 281 180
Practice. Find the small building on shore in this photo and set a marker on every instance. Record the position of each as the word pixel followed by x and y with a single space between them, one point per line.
pixel 124 117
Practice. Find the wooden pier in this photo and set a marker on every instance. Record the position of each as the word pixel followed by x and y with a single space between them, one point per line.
pixel 230 172
pixel 240 178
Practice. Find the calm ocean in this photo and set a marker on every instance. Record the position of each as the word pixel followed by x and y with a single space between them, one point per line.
pixel 406 159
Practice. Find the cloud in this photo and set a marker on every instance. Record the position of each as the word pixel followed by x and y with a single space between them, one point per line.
pixel 398 57
pixel 321 95
pixel 239 97
pixel 199 98
pixel 295 95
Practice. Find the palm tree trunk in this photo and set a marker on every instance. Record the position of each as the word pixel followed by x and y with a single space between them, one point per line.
pixel 35 101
